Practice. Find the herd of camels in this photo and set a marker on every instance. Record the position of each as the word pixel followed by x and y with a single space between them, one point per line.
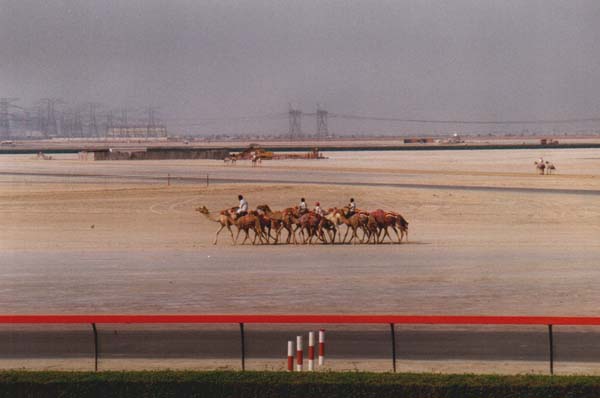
pixel 268 225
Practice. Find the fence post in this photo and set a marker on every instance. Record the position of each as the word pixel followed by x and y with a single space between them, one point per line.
pixel 207 180
pixel 95 347
pixel 551 343
pixel 393 346
pixel 243 346
pixel 168 179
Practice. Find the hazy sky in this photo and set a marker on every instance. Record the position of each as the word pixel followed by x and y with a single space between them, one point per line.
pixel 459 59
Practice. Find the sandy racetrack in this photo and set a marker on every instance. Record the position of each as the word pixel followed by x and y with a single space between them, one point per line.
pixel 137 245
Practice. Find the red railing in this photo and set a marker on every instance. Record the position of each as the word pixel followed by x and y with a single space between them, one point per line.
pixel 242 319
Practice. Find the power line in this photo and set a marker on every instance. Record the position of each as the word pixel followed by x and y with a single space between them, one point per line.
pixel 482 122
pixel 270 116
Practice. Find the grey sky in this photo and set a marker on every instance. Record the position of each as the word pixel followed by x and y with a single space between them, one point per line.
pixel 460 59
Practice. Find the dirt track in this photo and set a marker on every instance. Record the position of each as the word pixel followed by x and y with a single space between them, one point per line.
pixel 469 251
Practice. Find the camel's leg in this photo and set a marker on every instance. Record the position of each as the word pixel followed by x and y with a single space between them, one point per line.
pixel 246 237
pixel 277 234
pixel 321 235
pixel 386 233
pixel 269 237
pixel 380 236
pixel 261 234
pixel 289 237
pixel 237 236
pixel 397 235
pixel 298 227
pixel 217 234
pixel 354 235
pixel 302 237
pixel 231 232
pixel 346 235
pixel 364 233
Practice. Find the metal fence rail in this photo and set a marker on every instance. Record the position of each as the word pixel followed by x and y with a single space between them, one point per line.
pixel 242 319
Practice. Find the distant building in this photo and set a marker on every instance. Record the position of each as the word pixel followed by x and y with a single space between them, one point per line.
pixel 138 132
pixel 418 141
pixel 155 153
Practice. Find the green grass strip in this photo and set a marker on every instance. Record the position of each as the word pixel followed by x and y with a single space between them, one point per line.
pixel 279 384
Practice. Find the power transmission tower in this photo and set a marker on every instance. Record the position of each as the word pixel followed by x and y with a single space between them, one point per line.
pixel 295 118
pixel 151 122
pixel 110 122
pixel 48 123
pixel 124 122
pixel 92 120
pixel 322 130
pixel 5 105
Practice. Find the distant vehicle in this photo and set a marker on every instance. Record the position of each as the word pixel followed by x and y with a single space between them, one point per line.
pixel 7 143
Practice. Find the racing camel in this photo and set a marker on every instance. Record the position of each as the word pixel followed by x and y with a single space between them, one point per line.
pixel 244 223
pixel 281 220
pixel 356 221
pixel 224 219
pixel 388 219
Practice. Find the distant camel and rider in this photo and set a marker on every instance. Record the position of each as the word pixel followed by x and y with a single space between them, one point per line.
pixel 544 167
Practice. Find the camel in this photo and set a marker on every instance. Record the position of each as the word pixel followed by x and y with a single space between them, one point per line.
pixel 309 222
pixel 279 221
pixel 244 223
pixel 549 167
pixel 540 166
pixel 329 226
pixel 291 222
pixel 402 225
pixel 229 160
pixel 378 222
pixel 356 221
pixel 267 223
pixel 224 220
pixel 396 222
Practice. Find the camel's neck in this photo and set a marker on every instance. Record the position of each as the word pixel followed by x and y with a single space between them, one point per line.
pixel 211 218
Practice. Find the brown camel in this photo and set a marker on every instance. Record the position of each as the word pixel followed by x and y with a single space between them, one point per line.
pixel 291 222
pixel 355 222
pixel 247 223
pixel 265 224
pixel 309 222
pixel 279 221
pixel 540 166
pixel 401 224
pixel 244 223
pixel 224 220
pixel 390 219
pixel 326 224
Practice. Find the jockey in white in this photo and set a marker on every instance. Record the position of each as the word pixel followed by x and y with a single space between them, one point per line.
pixel 318 209
pixel 302 207
pixel 243 207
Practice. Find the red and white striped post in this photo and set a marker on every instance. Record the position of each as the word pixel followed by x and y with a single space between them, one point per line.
pixel 299 353
pixel 290 358
pixel 311 351
pixel 321 347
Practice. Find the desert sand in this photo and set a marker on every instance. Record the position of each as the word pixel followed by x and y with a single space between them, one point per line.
pixel 487 235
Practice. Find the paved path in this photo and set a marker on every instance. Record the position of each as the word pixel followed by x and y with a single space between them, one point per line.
pixel 531 345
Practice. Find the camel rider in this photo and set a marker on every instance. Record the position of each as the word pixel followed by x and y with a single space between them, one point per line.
pixel 302 208
pixel 243 207
pixel 351 208
pixel 318 209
